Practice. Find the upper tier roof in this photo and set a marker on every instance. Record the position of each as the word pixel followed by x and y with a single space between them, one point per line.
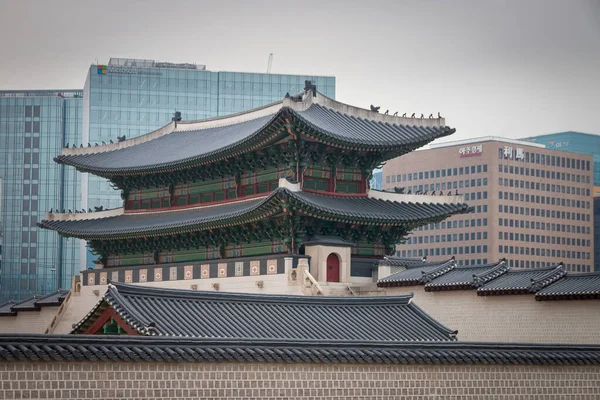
pixel 193 143
pixel 189 313
pixel 362 210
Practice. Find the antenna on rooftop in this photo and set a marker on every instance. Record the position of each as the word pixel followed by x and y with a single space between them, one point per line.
pixel 270 63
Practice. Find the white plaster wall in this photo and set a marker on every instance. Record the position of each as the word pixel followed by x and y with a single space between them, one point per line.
pixel 28 321
pixel 514 318
pixel 318 261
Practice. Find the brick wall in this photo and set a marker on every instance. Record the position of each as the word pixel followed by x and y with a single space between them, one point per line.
pixel 93 380
pixel 513 318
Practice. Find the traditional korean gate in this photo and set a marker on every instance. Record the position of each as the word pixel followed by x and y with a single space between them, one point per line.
pixel 333 268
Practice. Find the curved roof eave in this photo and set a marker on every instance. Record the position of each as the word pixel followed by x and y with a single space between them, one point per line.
pixel 329 121
pixel 339 208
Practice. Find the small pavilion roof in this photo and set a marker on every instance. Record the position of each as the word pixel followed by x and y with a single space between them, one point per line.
pixel 417 274
pixel 33 303
pixel 360 210
pixel 405 262
pixel 572 287
pixel 197 314
pixel 192 143
pixel 522 281
pixel 467 277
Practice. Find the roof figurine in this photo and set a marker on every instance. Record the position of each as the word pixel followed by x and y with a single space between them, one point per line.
pixel 260 182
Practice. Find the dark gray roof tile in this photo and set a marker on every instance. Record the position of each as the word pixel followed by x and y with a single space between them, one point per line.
pixel 356 209
pixel 188 313
pixel 572 287
pixel 467 277
pixel 185 147
pixel 522 281
pixel 415 274
pixel 96 348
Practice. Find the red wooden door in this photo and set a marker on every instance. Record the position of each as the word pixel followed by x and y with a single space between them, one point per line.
pixel 333 268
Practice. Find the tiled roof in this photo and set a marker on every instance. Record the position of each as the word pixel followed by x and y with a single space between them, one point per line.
pixel 163 349
pixel 405 262
pixel 572 287
pixel 417 274
pixel 522 281
pixel 363 210
pixel 467 277
pixel 335 123
pixel 189 313
pixel 33 303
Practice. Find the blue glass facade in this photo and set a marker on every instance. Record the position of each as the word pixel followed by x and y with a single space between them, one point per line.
pixel 575 142
pixel 133 97
pixel 34 125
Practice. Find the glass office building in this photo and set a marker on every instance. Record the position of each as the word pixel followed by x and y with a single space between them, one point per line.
pixel 131 97
pixel 127 97
pixel 34 125
pixel 575 142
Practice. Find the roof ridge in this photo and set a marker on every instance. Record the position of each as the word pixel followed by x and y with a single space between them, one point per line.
pixel 501 268
pixel 552 276
pixel 444 268
pixel 125 289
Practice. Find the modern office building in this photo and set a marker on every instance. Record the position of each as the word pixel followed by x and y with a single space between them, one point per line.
pixel 375 182
pixel 576 142
pixel 34 126
pixel 596 233
pixel 532 204
pixel 584 143
pixel 131 97
pixel 127 97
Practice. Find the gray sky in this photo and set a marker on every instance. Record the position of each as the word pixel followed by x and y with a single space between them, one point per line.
pixel 505 68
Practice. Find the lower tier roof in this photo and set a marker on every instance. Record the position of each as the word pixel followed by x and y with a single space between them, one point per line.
pixel 190 313
pixel 359 210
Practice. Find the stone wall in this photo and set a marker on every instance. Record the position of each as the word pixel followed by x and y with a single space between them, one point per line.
pixel 94 380
pixel 512 318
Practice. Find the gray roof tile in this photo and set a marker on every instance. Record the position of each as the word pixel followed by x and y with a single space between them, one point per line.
pixel 416 274
pixel 356 209
pixel 522 281
pixel 572 287
pixel 188 313
pixel 467 277
pixel 33 303
pixel 181 148
pixel 61 348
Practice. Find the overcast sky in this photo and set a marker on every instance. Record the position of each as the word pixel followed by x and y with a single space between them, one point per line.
pixel 504 68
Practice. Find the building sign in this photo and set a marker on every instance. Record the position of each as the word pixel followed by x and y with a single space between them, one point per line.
pixel 513 154
pixel 107 69
pixel 557 145
pixel 469 151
